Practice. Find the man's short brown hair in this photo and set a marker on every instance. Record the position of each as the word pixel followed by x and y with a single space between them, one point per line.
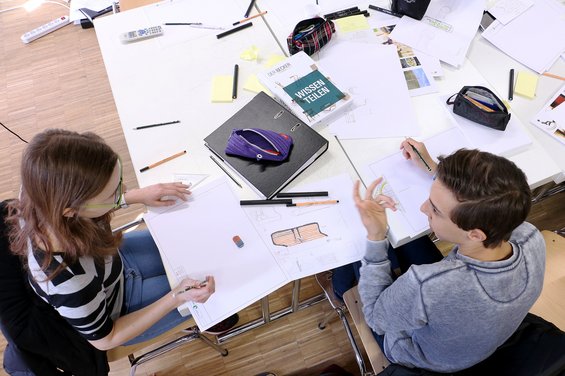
pixel 492 191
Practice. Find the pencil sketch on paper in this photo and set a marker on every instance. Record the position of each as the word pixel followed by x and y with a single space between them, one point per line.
pixel 297 235
pixel 384 188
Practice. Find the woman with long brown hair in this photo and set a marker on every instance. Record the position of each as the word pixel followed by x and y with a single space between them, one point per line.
pixel 113 290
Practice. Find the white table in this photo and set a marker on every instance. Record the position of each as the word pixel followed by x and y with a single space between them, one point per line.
pixel 169 78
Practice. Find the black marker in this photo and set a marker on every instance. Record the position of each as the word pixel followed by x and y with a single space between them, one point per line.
pixel 235 75
pixel 383 10
pixel 231 31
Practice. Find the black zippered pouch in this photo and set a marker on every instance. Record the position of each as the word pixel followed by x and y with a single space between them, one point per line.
pixel 481 105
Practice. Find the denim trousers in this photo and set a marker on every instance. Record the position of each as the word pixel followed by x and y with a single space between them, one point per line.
pixel 417 252
pixel 145 282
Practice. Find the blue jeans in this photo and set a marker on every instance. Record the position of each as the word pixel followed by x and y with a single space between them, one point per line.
pixel 145 282
pixel 417 252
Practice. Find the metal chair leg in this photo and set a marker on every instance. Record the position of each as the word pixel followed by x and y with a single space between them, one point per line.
pixel 192 334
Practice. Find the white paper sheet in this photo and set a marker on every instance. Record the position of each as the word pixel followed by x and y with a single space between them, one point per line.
pixel 445 31
pixel 506 142
pixel 410 185
pixel 551 118
pixel 381 105
pixel 506 10
pixel 343 233
pixel 195 239
pixel 418 68
pixel 535 38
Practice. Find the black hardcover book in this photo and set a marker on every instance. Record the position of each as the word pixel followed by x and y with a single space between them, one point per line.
pixel 268 178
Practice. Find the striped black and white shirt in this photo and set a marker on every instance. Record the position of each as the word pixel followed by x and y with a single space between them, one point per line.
pixel 88 295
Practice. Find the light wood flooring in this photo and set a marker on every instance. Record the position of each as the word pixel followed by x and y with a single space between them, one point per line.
pixel 60 81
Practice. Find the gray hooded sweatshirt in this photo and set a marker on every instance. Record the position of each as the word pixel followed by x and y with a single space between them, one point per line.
pixel 452 314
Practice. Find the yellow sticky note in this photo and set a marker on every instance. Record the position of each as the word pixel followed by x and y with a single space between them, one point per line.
pixel 222 87
pixel 250 54
pixel 254 85
pixel 526 84
pixel 352 23
pixel 273 59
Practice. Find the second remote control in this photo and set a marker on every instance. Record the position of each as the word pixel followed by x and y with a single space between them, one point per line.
pixel 135 35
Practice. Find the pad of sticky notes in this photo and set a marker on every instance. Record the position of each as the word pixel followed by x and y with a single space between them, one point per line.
pixel 526 84
pixel 222 87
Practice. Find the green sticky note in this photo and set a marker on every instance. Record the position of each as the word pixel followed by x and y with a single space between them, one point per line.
pixel 526 84
pixel 222 87
pixel 314 93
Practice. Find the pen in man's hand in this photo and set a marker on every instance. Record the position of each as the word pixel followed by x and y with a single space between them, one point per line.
pixel 200 285
pixel 421 158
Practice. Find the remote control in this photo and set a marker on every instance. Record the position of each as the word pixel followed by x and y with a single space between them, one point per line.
pixel 148 32
pixel 40 31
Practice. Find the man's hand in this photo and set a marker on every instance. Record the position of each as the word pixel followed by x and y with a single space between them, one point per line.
pixel 418 154
pixel 372 210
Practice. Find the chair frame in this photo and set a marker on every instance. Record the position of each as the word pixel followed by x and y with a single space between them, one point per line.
pixel 191 333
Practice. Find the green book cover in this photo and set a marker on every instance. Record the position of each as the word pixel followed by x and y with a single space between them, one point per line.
pixel 314 93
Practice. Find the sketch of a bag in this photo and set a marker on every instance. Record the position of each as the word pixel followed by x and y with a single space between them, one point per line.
pixel 297 235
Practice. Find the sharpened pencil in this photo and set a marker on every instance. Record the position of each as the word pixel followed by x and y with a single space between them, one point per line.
pixel 311 203
pixel 162 161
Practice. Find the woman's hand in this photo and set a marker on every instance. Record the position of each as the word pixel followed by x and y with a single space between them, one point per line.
pixel 372 210
pixel 162 194
pixel 194 290
pixel 411 148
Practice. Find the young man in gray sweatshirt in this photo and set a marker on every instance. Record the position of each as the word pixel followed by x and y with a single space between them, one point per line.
pixel 451 314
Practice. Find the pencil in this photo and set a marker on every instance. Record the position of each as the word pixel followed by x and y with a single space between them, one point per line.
pixel 302 194
pixel 234 88
pixel 553 76
pixel 156 125
pixel 249 8
pixel 249 18
pixel 162 161
pixel 200 285
pixel 235 29
pixel 310 203
pixel 421 158
pixel 482 106
pixel 226 171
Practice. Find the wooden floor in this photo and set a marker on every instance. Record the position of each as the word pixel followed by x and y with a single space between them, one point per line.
pixel 60 81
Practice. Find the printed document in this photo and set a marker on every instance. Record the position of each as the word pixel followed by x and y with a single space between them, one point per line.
pixel 445 31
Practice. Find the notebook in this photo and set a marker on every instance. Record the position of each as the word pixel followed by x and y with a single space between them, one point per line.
pixel 306 89
pixel 268 178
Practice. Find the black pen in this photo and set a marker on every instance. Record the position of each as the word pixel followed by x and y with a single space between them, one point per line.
pixel 343 11
pixel 231 31
pixel 383 10
pixel 421 158
pixel 302 194
pixel 234 88
pixel 226 171
pixel 363 12
pixel 157 125
pixel 511 85
pixel 265 202
pixel 249 8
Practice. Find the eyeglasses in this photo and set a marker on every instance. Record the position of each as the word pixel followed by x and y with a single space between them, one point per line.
pixel 118 194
